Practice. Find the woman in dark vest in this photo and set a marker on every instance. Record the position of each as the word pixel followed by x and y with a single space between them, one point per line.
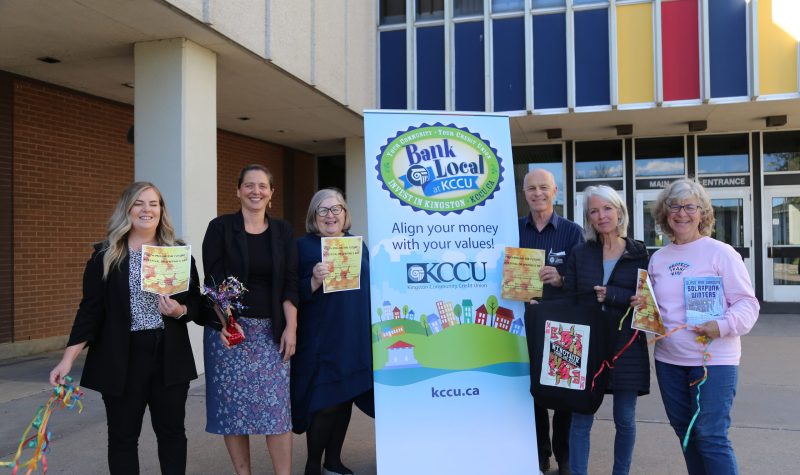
pixel 605 268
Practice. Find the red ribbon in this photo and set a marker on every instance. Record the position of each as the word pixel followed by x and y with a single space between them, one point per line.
pixel 610 365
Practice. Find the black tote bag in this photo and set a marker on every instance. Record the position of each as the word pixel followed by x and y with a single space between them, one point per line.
pixel 567 344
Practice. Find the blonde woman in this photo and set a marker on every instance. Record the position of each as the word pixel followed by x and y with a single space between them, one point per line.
pixel 139 351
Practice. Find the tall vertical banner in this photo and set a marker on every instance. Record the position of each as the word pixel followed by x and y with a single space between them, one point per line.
pixel 451 369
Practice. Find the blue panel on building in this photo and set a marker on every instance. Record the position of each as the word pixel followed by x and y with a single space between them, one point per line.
pixel 470 91
pixel 509 64
pixel 430 68
pixel 549 61
pixel 592 79
pixel 727 34
pixel 393 69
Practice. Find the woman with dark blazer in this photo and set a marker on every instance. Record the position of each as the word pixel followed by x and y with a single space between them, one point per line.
pixel 139 351
pixel 333 365
pixel 605 269
pixel 247 385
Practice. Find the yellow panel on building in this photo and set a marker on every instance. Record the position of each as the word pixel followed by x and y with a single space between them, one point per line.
pixel 635 53
pixel 777 53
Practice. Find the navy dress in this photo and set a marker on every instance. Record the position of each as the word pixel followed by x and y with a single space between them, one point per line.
pixel 333 361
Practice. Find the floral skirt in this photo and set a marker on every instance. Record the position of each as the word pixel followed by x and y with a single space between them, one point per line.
pixel 247 386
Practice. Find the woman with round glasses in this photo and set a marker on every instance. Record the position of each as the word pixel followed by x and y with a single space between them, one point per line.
pixel 683 210
pixel 332 367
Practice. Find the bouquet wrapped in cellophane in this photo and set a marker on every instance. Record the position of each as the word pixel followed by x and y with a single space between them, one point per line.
pixel 225 297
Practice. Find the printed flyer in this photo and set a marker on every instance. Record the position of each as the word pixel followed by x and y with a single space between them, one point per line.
pixel 647 318
pixel 451 368
pixel 343 256
pixel 166 269
pixel 521 268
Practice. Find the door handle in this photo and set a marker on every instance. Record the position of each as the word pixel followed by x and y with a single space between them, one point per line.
pixel 789 252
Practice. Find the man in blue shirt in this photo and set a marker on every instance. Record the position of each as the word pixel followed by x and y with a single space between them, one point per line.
pixel 543 228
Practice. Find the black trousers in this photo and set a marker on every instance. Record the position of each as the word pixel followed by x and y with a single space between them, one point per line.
pixel 144 386
pixel 560 445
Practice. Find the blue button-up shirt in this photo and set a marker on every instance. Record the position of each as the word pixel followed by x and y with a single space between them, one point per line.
pixel 557 239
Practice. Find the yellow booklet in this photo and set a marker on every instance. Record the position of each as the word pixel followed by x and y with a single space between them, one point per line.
pixel 166 269
pixel 521 268
pixel 343 256
pixel 647 319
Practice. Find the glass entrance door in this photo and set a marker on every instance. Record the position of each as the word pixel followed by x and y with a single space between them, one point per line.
pixel 733 214
pixel 781 250
pixel 644 226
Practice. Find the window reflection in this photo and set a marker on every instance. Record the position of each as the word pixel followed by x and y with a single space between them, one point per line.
pixel 503 6
pixel 653 237
pixel 598 160
pixel 392 12
pixel 729 225
pixel 786 232
pixel 430 10
pixel 781 151
pixel 467 7
pixel 660 157
pixel 720 154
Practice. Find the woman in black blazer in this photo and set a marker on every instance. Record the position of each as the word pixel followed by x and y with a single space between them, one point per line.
pixel 139 350
pixel 604 268
pixel 247 385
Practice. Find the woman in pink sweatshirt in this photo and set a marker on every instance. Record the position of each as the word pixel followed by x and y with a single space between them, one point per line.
pixel 701 283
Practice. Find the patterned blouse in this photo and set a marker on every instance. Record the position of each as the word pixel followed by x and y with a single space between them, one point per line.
pixel 144 305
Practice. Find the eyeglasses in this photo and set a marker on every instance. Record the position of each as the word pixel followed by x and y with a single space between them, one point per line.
pixel 336 210
pixel 690 208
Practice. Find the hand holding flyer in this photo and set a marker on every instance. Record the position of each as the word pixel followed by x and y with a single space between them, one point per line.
pixel 521 279
pixel 343 256
pixel 647 318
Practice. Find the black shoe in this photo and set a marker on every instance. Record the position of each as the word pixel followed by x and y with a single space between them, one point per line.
pixel 336 470
pixel 563 468
pixel 544 464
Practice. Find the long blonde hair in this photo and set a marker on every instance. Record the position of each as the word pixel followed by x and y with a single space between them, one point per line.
pixel 119 226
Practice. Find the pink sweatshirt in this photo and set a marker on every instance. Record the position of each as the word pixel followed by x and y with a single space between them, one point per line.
pixel 700 258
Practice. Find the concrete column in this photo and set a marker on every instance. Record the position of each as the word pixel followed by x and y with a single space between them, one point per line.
pixel 355 184
pixel 175 127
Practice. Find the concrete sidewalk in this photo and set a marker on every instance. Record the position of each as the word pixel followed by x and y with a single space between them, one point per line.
pixel 765 432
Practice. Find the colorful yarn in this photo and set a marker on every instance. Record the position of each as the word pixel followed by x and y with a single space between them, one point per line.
pixel 65 396
pixel 700 382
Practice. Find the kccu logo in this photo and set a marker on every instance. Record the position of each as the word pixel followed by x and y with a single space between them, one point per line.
pixel 436 272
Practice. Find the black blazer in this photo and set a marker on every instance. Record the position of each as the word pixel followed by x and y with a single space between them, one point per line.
pixel 225 255
pixel 585 270
pixel 103 321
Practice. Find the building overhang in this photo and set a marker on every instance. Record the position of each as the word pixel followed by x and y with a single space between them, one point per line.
pixel 94 39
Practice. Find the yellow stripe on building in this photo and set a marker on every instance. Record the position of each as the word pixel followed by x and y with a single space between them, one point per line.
pixel 635 53
pixel 777 53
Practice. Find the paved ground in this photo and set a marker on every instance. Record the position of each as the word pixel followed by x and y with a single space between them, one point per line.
pixel 765 433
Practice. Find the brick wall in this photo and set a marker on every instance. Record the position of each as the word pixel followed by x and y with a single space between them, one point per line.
pixel 293 172
pixel 71 161
pixel 6 209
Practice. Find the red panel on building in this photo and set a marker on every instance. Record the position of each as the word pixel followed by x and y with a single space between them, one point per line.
pixel 680 49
